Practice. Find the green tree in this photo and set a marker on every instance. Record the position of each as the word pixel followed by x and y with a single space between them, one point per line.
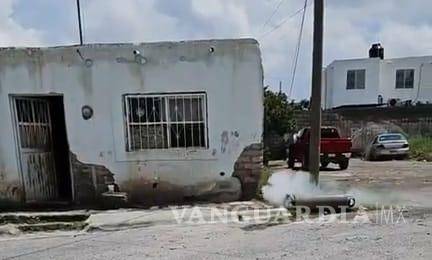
pixel 278 113
pixel 278 120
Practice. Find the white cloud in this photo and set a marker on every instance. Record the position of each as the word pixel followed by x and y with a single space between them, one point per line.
pixel 403 27
pixel 114 21
pixel 12 33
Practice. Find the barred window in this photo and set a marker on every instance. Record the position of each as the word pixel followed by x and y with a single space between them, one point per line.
pixel 405 78
pixel 356 79
pixel 165 121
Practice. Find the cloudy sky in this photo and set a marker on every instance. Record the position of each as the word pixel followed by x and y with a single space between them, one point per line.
pixel 403 27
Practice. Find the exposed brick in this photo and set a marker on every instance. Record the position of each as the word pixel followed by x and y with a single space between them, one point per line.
pixel 257 171
pixel 258 146
pixel 86 191
pixel 248 169
pixel 257 159
pixel 252 153
pixel 243 159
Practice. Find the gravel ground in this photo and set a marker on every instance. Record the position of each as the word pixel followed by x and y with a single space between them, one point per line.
pixel 366 235
pixel 410 240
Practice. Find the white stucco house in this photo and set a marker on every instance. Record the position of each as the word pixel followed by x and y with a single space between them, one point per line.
pixel 155 122
pixel 373 81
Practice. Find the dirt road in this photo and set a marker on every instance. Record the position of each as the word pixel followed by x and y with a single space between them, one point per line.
pixel 371 234
pixel 388 182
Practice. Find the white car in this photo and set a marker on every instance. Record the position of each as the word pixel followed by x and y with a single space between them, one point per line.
pixel 387 146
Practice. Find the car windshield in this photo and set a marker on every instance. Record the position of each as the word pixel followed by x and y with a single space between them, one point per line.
pixel 391 137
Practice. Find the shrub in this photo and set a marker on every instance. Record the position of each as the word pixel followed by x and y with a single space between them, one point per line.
pixel 265 175
pixel 421 148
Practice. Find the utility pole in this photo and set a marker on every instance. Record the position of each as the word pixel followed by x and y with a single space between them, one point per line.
pixel 79 21
pixel 280 87
pixel 315 118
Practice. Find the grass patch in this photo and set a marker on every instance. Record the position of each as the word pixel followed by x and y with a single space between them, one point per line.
pixel 421 148
pixel 264 177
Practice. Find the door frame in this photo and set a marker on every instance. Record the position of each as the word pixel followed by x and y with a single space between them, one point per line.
pixel 17 141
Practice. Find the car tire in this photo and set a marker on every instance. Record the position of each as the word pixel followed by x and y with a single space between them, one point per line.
pixel 343 165
pixel 372 156
pixel 401 157
pixel 324 164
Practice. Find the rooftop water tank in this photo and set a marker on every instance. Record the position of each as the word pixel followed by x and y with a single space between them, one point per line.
pixel 376 51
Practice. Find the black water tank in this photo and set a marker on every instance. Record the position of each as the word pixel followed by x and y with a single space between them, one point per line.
pixel 376 51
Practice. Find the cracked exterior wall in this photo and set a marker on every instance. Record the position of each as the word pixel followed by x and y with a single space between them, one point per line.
pixel 90 181
pixel 99 75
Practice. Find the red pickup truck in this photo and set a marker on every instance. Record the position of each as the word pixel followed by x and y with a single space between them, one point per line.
pixel 334 149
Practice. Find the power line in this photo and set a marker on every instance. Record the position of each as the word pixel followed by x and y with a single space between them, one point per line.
pixel 282 23
pixel 297 51
pixel 79 21
pixel 83 18
pixel 273 14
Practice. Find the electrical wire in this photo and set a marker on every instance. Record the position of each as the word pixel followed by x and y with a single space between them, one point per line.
pixel 272 15
pixel 281 23
pixel 83 20
pixel 297 51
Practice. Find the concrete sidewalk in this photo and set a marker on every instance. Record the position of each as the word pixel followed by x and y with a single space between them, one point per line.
pixel 16 223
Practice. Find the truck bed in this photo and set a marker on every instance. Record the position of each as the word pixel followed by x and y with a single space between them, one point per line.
pixel 335 145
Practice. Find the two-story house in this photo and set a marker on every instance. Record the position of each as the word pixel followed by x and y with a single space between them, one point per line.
pixel 376 81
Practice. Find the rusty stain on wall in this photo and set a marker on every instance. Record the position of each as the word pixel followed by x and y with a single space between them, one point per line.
pixel 224 141
pixel 86 79
pixel 148 192
pixel 10 190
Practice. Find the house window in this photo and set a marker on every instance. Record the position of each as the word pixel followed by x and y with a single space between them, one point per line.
pixel 165 121
pixel 356 79
pixel 405 78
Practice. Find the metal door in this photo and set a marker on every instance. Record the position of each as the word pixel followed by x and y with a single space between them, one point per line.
pixel 33 125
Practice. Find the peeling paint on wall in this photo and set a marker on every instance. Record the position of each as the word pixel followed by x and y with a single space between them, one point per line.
pixel 224 141
pixel 144 191
pixel 11 191
pixel 230 141
pixel 90 181
pixel 86 80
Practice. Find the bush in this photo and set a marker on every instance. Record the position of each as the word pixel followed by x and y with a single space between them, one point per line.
pixel 421 148
pixel 264 177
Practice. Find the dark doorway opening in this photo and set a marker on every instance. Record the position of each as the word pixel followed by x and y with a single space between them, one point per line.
pixel 60 147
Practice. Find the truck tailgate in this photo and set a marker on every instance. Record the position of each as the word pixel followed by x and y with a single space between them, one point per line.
pixel 335 145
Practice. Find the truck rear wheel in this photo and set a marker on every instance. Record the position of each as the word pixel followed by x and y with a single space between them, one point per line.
pixel 305 162
pixel 290 163
pixel 324 164
pixel 344 164
pixel 290 159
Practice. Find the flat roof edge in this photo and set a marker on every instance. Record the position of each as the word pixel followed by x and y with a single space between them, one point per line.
pixel 128 44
